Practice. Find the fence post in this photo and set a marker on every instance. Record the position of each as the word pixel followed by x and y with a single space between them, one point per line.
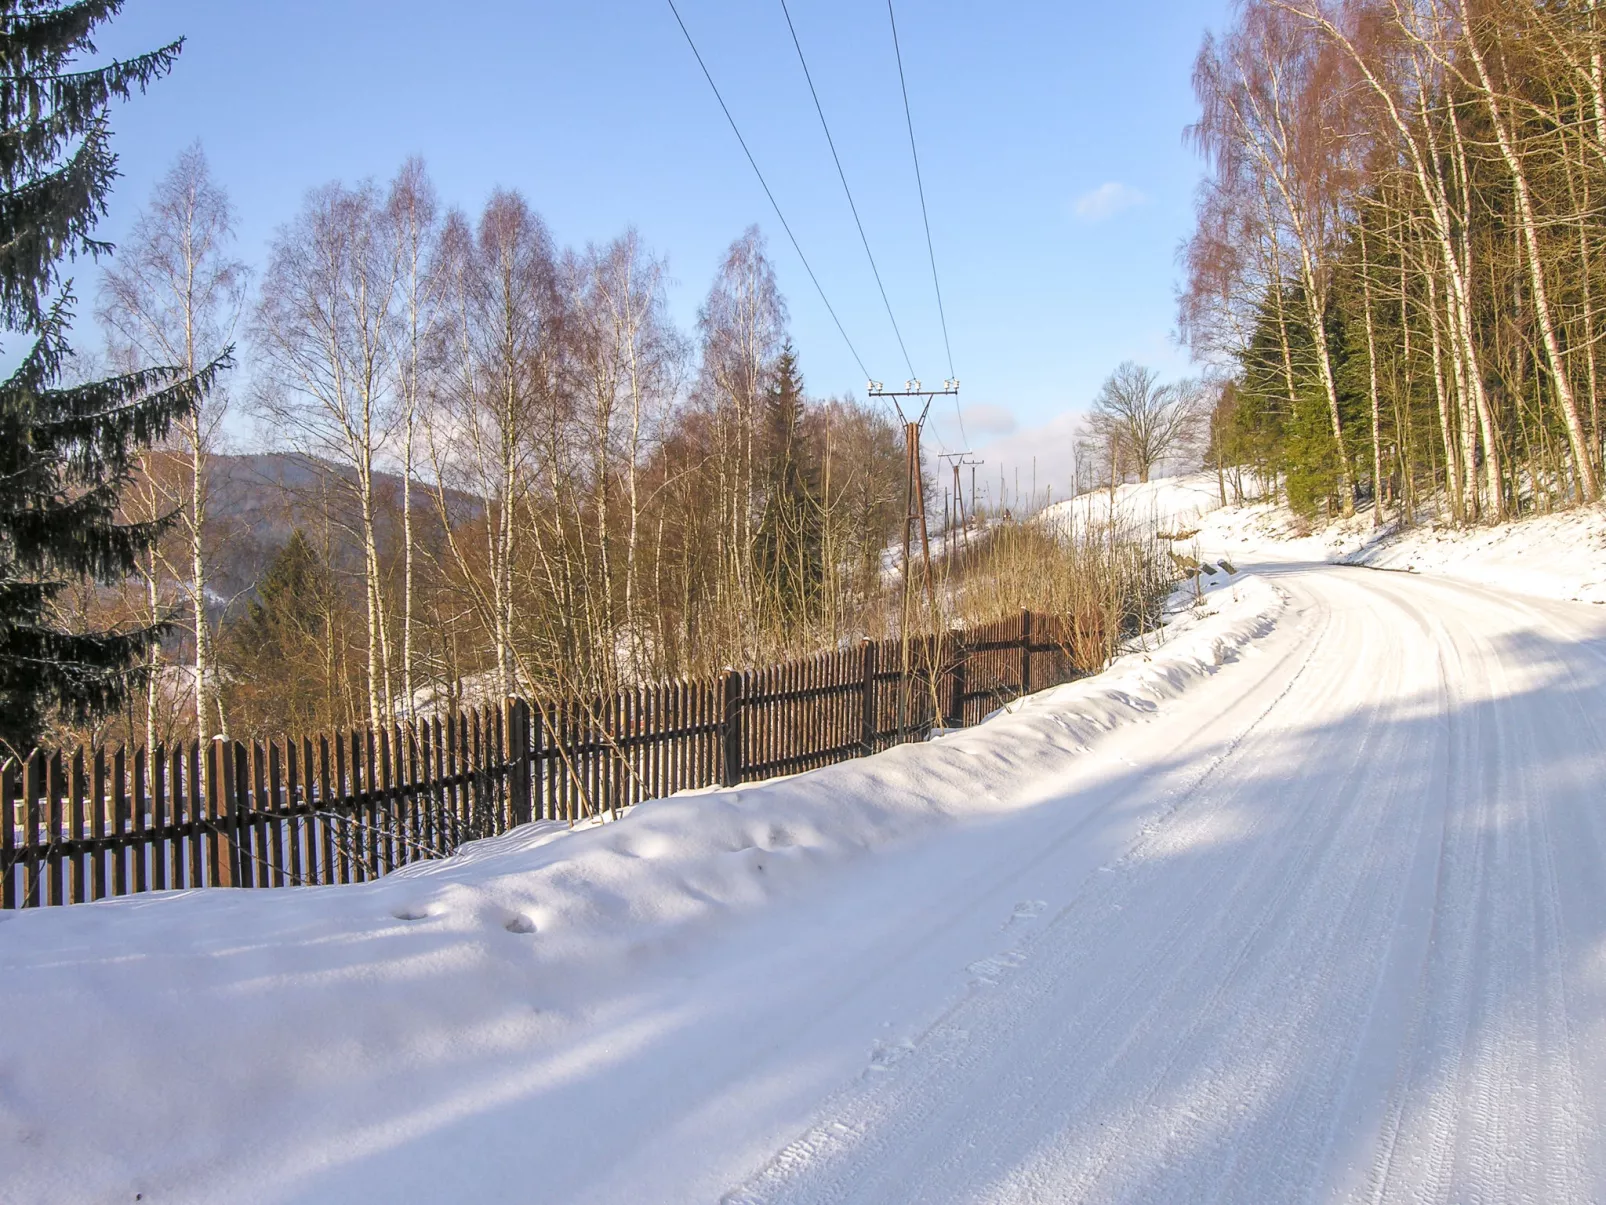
pixel 730 729
pixel 536 776
pixel 867 717
pixel 9 871
pixel 1025 651
pixel 956 679
pixel 222 852
pixel 518 759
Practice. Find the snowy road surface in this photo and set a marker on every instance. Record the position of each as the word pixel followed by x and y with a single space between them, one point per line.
pixel 1330 925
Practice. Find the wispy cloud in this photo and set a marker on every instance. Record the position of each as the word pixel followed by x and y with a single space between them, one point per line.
pixel 1107 200
pixel 987 418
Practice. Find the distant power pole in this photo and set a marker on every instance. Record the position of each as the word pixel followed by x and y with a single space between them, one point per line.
pixel 957 519
pixel 914 486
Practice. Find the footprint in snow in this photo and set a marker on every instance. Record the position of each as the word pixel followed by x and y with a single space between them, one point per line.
pixel 987 972
pixel 884 1058
pixel 1028 910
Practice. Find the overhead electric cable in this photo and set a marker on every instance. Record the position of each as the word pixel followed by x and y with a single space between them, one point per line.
pixel 765 185
pixel 924 217
pixel 842 175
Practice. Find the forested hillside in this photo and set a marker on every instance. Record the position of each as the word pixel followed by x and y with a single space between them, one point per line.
pixel 1398 258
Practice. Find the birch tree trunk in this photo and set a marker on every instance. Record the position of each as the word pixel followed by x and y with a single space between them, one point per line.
pixel 174 297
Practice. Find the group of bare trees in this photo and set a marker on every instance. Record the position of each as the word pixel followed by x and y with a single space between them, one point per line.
pixel 509 470
pixel 1137 423
pixel 1399 250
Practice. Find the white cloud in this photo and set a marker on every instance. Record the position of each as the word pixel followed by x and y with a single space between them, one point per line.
pixel 1107 200
pixel 1044 453
pixel 986 418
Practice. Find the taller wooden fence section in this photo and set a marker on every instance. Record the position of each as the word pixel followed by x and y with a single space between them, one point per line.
pixel 352 806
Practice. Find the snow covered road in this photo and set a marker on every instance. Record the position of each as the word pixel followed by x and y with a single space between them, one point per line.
pixel 1359 958
pixel 1327 925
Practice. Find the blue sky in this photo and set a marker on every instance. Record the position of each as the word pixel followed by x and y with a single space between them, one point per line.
pixel 1050 137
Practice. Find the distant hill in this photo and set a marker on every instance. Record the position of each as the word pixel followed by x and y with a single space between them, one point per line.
pixel 257 500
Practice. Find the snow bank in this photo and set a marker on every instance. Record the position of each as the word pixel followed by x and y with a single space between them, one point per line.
pixel 177 1045
pixel 1560 556
pixel 1167 502
pixel 1552 556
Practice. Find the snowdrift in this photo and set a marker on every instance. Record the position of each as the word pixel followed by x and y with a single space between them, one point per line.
pixel 218 1044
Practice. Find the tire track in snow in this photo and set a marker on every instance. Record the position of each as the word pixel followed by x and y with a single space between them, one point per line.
pixel 1420 911
pixel 1512 1121
pixel 1167 950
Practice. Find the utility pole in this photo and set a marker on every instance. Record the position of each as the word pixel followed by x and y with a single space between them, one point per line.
pixel 914 483
pixel 914 509
pixel 957 492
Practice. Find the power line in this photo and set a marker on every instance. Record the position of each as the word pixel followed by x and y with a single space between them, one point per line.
pixel 924 217
pixel 842 175
pixel 765 185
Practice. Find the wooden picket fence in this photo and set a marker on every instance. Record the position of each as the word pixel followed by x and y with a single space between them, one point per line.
pixel 352 806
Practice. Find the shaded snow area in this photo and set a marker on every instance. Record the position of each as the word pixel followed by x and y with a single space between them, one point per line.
pixel 1304 901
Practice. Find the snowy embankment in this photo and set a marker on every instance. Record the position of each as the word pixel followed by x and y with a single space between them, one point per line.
pixel 237 1045
pixel 1561 556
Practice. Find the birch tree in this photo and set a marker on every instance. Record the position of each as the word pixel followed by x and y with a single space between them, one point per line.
pixel 411 215
pixel 324 331
pixel 173 295
pixel 493 399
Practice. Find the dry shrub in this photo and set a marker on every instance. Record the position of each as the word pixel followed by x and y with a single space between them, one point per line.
pixel 1109 581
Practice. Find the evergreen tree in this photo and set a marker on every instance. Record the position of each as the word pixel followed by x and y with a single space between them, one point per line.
pixel 789 537
pixel 65 451
pixel 288 624
pixel 1292 435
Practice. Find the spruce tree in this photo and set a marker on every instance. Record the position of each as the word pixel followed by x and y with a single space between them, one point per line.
pixel 789 545
pixel 287 623
pixel 65 451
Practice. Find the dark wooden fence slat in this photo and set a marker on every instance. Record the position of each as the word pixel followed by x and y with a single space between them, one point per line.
pixel 333 852
pixel 730 772
pixel 123 846
pixel 161 847
pixel 278 810
pixel 317 853
pixel 437 796
pixel 340 805
pixel 449 793
pixel 96 857
pixel 284 768
pixel 195 814
pixel 55 785
pixel 10 874
pixel 1025 652
pixel 476 792
pixel 372 789
pixel 214 813
pixel 77 864
pixel 496 757
pixel 867 717
pixel 365 762
pixel 415 826
pixel 33 784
